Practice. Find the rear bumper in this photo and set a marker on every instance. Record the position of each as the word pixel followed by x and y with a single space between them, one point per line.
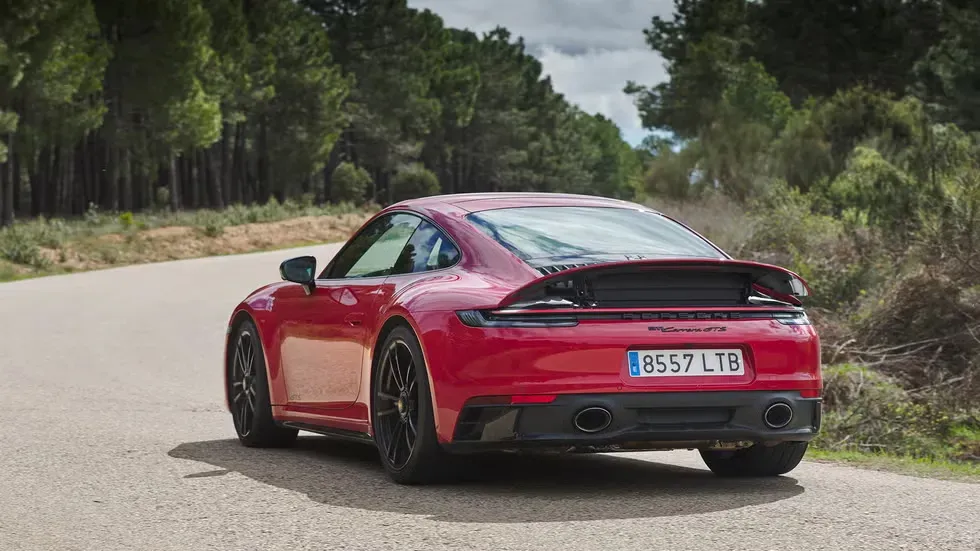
pixel 639 421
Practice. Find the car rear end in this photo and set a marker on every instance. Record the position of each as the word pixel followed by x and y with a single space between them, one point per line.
pixel 600 355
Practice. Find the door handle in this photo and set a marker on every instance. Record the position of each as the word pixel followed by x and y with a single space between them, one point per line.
pixel 354 319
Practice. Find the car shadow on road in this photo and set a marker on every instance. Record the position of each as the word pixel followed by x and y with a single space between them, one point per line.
pixel 499 489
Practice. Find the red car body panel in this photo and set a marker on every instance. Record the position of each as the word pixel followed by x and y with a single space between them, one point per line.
pixel 319 346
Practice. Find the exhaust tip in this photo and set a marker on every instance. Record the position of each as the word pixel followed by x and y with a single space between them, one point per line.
pixel 778 415
pixel 592 419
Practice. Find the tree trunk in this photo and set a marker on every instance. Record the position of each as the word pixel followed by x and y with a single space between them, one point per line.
pixel 262 168
pixel 224 164
pixel 174 189
pixel 54 177
pixel 214 178
pixel 7 186
pixel 194 174
pixel 237 166
pixel 16 207
pixel 94 166
pixel 126 178
pixel 68 173
pixel 112 170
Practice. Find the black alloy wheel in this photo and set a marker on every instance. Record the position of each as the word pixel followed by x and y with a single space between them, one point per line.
pixel 248 393
pixel 402 417
pixel 396 405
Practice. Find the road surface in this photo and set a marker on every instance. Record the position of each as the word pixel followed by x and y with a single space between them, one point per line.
pixel 113 436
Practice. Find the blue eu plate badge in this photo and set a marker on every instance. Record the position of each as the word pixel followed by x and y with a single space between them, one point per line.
pixel 634 363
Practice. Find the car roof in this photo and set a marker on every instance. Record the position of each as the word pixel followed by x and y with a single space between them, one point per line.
pixel 475 202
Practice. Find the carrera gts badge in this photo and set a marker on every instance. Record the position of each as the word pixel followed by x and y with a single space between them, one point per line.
pixel 669 329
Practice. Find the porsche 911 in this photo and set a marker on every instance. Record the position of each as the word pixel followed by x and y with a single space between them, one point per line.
pixel 529 322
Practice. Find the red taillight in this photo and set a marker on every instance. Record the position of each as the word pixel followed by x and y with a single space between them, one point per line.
pixel 810 393
pixel 533 399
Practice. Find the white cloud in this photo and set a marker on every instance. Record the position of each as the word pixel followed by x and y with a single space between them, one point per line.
pixel 595 79
pixel 591 48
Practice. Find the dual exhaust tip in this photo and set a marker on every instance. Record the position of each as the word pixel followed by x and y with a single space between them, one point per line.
pixel 778 415
pixel 592 419
pixel 596 418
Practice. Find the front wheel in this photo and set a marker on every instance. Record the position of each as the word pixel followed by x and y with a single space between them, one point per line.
pixel 401 413
pixel 248 393
pixel 759 460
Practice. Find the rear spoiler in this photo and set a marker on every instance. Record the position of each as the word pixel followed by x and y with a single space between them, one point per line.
pixel 766 279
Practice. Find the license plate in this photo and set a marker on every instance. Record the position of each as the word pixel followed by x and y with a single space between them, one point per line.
pixel 686 363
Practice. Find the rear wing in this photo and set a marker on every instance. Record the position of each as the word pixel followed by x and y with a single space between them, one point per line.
pixel 660 283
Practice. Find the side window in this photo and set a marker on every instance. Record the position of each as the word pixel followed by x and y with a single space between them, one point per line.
pixel 374 251
pixel 428 249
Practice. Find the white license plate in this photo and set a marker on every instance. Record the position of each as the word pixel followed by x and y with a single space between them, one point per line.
pixel 686 363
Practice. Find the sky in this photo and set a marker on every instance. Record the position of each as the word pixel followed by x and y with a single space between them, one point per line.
pixel 590 48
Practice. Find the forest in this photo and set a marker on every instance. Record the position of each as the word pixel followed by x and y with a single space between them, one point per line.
pixel 189 104
pixel 840 138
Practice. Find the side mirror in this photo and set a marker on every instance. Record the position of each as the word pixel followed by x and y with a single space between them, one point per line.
pixel 300 270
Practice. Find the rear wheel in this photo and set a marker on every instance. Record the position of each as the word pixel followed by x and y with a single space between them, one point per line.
pixel 401 413
pixel 759 460
pixel 248 393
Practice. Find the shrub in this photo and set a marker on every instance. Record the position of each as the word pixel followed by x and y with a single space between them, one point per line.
pixel 20 246
pixel 126 220
pixel 414 181
pixel 214 226
pixel 349 183
pixel 868 411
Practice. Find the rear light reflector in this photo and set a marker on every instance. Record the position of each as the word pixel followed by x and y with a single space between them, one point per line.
pixel 522 399
pixel 810 393
pixel 533 399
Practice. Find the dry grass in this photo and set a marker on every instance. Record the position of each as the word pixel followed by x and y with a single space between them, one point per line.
pixel 721 220
pixel 41 248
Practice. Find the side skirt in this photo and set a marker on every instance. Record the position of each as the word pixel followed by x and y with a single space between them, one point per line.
pixel 341 434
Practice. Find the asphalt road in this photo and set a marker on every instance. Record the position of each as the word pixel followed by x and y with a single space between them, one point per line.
pixel 113 436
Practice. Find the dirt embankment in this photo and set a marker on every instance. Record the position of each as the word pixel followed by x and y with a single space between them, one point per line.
pixel 181 242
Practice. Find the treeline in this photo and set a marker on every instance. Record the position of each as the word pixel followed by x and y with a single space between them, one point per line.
pixel 847 130
pixel 204 103
pixel 787 89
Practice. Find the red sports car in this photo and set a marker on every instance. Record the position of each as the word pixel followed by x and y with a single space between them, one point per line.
pixel 529 321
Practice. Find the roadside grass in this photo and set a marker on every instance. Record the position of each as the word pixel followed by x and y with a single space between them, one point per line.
pixel 41 247
pixel 917 435
pixel 914 466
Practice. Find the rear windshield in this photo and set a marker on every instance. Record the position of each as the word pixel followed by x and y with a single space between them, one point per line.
pixel 540 235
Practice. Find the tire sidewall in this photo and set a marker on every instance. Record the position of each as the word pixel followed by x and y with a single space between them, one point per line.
pixel 262 415
pixel 426 444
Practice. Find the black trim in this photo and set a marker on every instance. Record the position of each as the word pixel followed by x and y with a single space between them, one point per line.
pixel 541 318
pixel 342 434
pixel 480 318
pixel 647 420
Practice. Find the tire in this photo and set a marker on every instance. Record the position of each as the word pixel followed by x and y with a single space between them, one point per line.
pixel 253 420
pixel 758 460
pixel 423 460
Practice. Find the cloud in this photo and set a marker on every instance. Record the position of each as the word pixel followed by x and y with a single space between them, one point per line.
pixel 591 48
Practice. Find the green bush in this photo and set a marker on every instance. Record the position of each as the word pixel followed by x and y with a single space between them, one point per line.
pixel 349 183
pixel 414 181
pixel 213 226
pixel 126 220
pixel 865 410
pixel 20 246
